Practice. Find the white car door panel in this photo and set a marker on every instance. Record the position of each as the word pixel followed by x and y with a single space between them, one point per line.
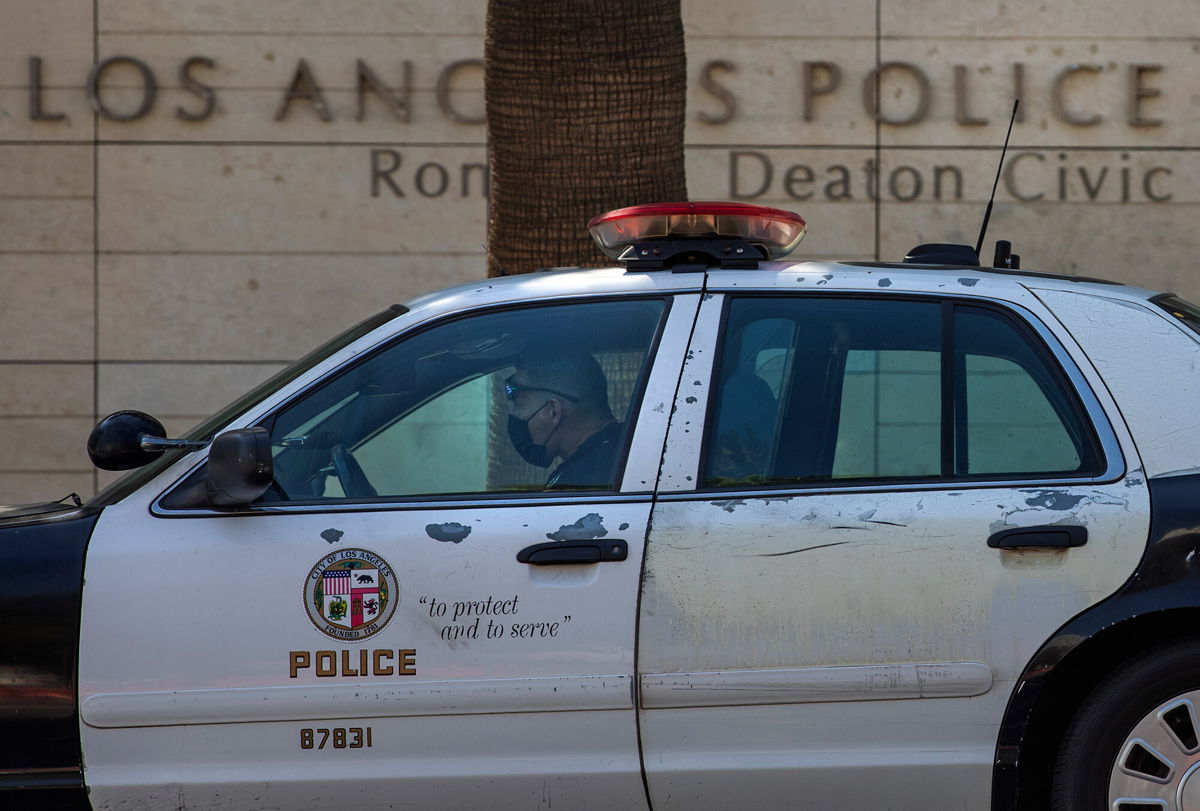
pixel 357 653
pixel 226 712
pixel 854 644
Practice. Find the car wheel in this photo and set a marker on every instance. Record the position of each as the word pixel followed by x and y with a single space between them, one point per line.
pixel 1135 742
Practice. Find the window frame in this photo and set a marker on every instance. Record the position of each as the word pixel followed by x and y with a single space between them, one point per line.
pixel 1061 366
pixel 435 500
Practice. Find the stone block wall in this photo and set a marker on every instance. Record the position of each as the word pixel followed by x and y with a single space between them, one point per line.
pixel 175 225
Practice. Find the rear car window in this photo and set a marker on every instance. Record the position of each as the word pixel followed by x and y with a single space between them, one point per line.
pixel 1187 313
pixel 852 389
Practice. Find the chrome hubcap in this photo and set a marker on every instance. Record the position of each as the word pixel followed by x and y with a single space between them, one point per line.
pixel 1158 765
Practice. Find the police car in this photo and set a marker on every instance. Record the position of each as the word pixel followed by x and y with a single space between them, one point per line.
pixel 848 535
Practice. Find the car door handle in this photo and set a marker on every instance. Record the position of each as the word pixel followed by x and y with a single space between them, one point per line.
pixel 1054 536
pixel 556 553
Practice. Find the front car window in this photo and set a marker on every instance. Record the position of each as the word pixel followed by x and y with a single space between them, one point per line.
pixel 828 389
pixel 206 429
pixel 519 400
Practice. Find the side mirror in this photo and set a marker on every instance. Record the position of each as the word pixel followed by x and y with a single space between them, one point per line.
pixel 115 442
pixel 240 467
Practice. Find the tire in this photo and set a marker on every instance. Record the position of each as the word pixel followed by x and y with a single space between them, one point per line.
pixel 1134 744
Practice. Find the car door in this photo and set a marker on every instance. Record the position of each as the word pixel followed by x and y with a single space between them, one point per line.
pixel 867 526
pixel 408 617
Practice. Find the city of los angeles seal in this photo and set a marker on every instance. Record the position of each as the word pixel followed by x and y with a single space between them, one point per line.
pixel 351 594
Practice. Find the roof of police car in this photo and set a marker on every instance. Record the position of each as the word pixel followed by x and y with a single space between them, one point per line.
pixel 818 275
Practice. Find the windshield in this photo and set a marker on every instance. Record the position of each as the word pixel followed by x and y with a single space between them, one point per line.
pixel 205 430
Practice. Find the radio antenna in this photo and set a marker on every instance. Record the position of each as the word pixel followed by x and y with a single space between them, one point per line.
pixel 987 214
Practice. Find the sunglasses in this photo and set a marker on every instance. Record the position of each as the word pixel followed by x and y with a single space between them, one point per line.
pixel 511 389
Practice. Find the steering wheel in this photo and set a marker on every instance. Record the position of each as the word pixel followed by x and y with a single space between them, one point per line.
pixel 350 474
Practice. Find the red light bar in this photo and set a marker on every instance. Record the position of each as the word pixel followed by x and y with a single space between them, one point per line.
pixel 778 231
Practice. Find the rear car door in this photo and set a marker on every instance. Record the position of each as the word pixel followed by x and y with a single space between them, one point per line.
pixel 365 634
pixel 870 510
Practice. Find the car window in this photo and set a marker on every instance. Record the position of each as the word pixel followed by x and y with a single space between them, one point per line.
pixel 134 479
pixel 888 423
pixel 1186 312
pixel 827 389
pixel 1018 415
pixel 434 413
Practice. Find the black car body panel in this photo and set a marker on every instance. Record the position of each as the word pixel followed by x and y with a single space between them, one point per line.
pixel 41 579
pixel 1164 590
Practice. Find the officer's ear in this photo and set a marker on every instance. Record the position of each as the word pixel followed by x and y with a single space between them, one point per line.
pixel 555 406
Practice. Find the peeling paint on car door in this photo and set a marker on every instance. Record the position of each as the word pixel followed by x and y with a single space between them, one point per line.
pixel 850 646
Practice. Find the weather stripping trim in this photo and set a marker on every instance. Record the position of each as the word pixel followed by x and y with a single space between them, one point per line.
pixel 384 700
pixel 730 688
pixel 485 501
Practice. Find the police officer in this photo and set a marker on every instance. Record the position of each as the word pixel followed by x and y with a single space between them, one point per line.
pixel 558 409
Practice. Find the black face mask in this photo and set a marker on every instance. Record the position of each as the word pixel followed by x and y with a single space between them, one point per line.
pixel 522 440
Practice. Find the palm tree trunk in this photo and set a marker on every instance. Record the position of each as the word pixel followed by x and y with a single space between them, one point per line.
pixel 585 109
